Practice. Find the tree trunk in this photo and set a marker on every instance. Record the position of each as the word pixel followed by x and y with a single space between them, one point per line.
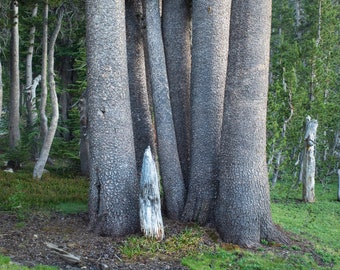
pixel 242 211
pixel 30 100
pixel 47 143
pixel 113 201
pixel 210 23
pixel 84 151
pixel 149 199
pixel 141 115
pixel 171 173
pixel 14 113
pixel 308 173
pixel 43 95
pixel 1 89
pixel 176 26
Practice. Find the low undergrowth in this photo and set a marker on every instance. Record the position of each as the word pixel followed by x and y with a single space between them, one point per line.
pixel 314 228
pixel 19 192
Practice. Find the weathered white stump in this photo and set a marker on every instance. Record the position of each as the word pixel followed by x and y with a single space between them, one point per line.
pixel 308 163
pixel 150 204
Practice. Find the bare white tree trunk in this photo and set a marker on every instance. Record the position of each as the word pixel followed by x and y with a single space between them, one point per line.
pixel 43 96
pixel 45 150
pixel 30 101
pixel 308 173
pixel 150 203
pixel 1 89
pixel 14 115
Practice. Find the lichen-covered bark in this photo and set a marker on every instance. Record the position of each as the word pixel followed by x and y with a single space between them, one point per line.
pixel 176 26
pixel 113 202
pixel 210 31
pixel 170 168
pixel 242 213
pixel 141 115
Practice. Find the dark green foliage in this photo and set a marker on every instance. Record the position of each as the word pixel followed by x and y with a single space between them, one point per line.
pixel 304 66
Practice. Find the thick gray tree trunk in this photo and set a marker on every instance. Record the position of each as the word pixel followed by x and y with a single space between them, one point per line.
pixel 242 211
pixel 47 143
pixel 113 201
pixel 176 26
pixel 171 173
pixel 30 100
pixel 14 113
pixel 210 23
pixel 149 200
pixel 141 115
pixel 308 162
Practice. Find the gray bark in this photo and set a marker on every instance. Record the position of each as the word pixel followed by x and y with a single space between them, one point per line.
pixel 30 100
pixel 172 179
pixel 210 23
pixel 14 113
pixel 308 163
pixel 113 201
pixel 47 143
pixel 176 26
pixel 242 212
pixel 149 200
pixel 141 115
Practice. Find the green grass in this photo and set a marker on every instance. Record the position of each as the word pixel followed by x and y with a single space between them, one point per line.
pixel 19 191
pixel 188 242
pixel 246 260
pixel 6 264
pixel 318 223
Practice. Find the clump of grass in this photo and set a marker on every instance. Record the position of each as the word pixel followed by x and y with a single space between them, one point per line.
pixel 6 264
pixel 188 242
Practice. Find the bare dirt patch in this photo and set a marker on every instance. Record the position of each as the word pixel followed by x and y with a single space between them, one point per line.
pixel 24 241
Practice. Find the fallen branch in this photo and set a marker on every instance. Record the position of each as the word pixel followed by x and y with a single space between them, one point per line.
pixel 63 254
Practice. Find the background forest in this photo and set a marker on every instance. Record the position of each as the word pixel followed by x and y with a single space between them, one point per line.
pixel 304 80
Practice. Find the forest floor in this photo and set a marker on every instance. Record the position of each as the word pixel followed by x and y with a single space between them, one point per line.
pixel 24 241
